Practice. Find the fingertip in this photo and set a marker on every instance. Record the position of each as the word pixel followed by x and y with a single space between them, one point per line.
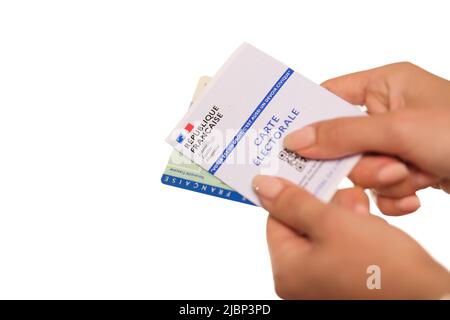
pixel 408 204
pixel 267 187
pixel 350 87
pixel 396 206
pixel 327 84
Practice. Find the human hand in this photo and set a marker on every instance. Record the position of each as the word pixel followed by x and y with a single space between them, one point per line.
pixel 322 251
pixel 410 121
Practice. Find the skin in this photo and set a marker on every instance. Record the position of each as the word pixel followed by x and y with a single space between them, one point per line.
pixel 323 250
pixel 409 107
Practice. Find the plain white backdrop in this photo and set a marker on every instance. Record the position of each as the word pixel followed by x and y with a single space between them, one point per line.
pixel 90 89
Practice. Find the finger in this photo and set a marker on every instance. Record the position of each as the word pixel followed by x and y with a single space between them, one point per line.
pixel 288 253
pixel 367 88
pixel 415 181
pixel 376 171
pixel 283 241
pixel 422 179
pixel 289 204
pixel 389 176
pixel 346 136
pixel 351 87
pixel 352 198
pixel 396 207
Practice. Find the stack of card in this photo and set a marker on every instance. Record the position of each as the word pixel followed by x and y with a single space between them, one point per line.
pixel 183 173
pixel 236 124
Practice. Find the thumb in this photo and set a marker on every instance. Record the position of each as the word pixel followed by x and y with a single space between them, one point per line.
pixel 346 136
pixel 289 204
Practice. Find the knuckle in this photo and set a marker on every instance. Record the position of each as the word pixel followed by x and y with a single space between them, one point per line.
pixel 398 128
pixel 379 220
pixel 404 66
pixel 329 220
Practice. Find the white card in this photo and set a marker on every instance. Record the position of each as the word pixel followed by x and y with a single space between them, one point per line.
pixel 235 130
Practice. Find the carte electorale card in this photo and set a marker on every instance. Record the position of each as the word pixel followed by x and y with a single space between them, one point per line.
pixel 235 129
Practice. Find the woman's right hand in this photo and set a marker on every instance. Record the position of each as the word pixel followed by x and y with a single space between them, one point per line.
pixel 409 120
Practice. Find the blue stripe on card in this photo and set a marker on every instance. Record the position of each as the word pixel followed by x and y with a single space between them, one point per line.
pixel 204 188
pixel 247 125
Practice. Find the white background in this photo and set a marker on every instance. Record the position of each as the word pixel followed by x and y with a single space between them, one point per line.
pixel 90 89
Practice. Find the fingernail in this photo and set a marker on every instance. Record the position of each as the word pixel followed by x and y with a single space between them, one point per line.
pixel 300 139
pixel 408 204
pixel 393 173
pixel 267 186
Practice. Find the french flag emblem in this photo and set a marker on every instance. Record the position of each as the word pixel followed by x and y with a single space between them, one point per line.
pixel 188 128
